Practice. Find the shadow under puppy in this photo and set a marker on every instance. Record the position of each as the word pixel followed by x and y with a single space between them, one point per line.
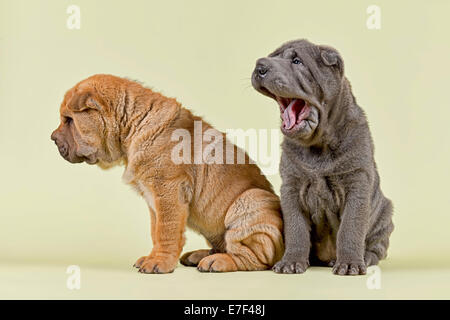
pixel 107 120
pixel 334 211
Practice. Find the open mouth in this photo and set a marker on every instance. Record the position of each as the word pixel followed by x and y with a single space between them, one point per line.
pixel 293 111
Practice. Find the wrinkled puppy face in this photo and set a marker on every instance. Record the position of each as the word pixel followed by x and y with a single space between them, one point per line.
pixel 303 78
pixel 81 135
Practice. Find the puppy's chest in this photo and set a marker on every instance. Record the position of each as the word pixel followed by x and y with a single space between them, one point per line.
pixel 322 197
pixel 146 193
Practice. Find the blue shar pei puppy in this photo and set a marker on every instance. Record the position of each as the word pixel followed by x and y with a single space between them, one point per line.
pixel 334 211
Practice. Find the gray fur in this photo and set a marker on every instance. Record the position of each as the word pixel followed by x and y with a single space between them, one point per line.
pixel 334 211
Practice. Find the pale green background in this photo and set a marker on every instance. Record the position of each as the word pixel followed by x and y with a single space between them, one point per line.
pixel 54 214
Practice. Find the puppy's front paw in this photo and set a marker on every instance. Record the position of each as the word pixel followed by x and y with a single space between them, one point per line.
pixel 291 266
pixel 140 261
pixel 349 268
pixel 157 265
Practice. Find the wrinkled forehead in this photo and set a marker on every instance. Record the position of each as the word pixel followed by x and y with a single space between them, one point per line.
pixel 70 94
pixel 67 97
pixel 294 48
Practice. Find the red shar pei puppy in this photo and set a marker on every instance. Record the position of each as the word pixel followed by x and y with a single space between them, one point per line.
pixel 107 120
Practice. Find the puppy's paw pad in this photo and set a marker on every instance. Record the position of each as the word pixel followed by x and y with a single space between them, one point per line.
pixel 349 269
pixel 290 266
pixel 156 265
pixel 219 262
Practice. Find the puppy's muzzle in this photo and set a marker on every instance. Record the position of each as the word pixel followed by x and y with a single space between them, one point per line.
pixel 262 68
pixel 63 148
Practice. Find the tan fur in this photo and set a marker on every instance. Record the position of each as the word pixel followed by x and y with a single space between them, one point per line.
pixel 233 206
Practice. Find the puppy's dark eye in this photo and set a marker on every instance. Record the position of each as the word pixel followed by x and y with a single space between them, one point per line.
pixel 296 60
pixel 68 120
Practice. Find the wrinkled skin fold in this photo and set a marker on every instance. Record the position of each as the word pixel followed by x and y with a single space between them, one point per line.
pixel 334 211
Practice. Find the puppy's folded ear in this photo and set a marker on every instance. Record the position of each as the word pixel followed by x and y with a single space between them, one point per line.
pixel 331 57
pixel 83 101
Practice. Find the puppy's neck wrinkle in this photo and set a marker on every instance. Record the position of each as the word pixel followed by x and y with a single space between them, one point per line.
pixel 150 126
pixel 146 123
pixel 340 117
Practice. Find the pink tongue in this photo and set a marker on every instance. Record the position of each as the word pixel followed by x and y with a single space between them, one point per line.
pixel 290 114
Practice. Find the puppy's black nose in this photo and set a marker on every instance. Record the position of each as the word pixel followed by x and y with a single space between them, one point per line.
pixel 262 70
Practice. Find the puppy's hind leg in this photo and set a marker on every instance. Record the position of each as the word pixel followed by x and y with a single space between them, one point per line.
pixel 253 238
pixel 192 258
